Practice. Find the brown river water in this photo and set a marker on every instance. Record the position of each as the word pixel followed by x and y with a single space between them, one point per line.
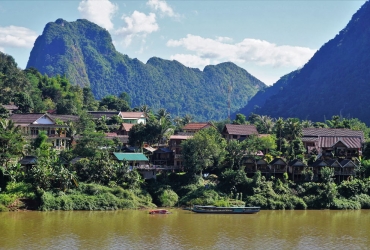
pixel 136 229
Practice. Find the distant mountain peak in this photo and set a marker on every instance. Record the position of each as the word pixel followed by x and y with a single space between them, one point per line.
pixel 84 52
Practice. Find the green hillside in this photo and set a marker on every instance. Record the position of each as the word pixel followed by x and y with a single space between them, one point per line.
pixel 85 54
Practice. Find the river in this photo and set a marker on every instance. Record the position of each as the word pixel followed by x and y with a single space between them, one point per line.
pixel 136 229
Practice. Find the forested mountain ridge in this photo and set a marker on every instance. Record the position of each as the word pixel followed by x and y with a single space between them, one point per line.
pixel 335 81
pixel 84 52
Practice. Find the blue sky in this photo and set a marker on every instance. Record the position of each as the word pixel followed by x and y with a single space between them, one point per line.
pixel 267 38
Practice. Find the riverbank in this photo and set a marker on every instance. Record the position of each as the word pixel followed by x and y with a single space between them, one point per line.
pixel 169 191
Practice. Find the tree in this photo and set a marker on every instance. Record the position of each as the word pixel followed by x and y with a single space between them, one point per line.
pixel 206 149
pixel 11 141
pixel 240 119
pixel 114 103
pixel 137 135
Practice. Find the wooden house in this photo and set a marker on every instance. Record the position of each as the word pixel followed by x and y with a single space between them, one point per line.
pixel 53 125
pixel 238 132
pixel 175 146
pixel 278 167
pixel 137 161
pixel 263 167
pixel 330 143
pixel 296 168
pixel 163 157
pixel 192 128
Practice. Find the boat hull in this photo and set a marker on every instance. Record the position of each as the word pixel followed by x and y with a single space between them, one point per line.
pixel 225 210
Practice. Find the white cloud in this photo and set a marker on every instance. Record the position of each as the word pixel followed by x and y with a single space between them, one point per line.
pixel 137 25
pixel 162 7
pixel 248 50
pixel 98 11
pixel 2 49
pixel 191 60
pixel 16 37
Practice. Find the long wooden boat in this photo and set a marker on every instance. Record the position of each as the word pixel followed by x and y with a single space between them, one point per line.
pixel 225 210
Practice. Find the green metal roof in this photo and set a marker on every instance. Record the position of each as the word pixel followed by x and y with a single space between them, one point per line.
pixel 130 156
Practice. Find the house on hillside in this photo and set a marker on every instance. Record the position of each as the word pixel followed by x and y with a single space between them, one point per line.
pixel 137 161
pixel 52 125
pixel 175 146
pixel 330 143
pixel 192 128
pixel 278 167
pixel 163 157
pixel 238 132
pixel 99 114
pixel 11 108
pixel 296 168
pixel 133 117
pixel 125 128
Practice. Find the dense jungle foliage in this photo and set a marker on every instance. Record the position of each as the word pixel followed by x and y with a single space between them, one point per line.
pixel 335 81
pixel 84 53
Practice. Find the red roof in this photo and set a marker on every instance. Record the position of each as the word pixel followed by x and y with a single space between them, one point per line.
pixel 233 129
pixel 127 126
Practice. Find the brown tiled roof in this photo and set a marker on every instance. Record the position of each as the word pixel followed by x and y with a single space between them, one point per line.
pixel 233 129
pixel 25 118
pixel 127 126
pixel 135 115
pixel 99 114
pixel 196 126
pixel 338 132
pixel 349 142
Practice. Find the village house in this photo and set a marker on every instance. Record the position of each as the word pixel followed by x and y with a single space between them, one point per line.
pixel 330 143
pixel 175 146
pixel 238 132
pixel 53 125
pixel 11 108
pixel 192 128
pixel 137 161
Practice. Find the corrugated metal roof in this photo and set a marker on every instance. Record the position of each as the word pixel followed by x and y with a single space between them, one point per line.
pixel 130 156
pixel 233 129
pixel 349 142
pixel 310 139
pixel 336 132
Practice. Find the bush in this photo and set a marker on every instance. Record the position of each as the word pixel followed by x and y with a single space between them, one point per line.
pixel 344 204
pixel 364 200
pixel 168 198
pixel 3 208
